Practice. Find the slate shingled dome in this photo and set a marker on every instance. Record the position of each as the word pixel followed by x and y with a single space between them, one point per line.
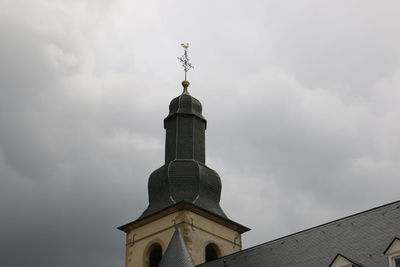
pixel 185 104
pixel 184 176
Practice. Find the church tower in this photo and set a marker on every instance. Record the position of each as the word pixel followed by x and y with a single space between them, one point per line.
pixel 183 194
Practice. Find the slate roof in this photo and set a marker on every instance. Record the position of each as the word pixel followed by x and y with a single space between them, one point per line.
pixel 176 254
pixel 362 237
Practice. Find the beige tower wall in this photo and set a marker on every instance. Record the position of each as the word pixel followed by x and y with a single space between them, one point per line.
pixel 197 232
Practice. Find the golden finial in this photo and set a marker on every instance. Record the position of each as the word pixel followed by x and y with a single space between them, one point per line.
pixel 185 85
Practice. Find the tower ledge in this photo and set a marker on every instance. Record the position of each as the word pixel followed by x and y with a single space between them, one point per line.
pixel 184 205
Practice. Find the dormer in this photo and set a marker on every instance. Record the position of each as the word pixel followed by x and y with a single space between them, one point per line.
pixel 393 253
pixel 342 261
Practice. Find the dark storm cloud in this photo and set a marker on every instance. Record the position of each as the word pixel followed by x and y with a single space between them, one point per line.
pixel 300 96
pixel 65 171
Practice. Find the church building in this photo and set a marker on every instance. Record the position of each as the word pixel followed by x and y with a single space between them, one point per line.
pixel 184 225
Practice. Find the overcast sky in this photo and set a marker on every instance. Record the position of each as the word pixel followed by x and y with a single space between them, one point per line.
pixel 301 97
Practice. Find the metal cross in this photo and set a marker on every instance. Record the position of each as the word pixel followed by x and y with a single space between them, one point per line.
pixel 185 60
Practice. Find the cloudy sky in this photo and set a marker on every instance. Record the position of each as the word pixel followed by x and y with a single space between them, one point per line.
pixel 302 101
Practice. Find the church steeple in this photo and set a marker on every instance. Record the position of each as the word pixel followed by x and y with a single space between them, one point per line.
pixel 183 193
pixel 184 176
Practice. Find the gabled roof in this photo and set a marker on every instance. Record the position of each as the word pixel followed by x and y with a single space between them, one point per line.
pixel 362 237
pixel 176 254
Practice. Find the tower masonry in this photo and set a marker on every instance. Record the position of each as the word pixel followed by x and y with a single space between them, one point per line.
pixel 183 194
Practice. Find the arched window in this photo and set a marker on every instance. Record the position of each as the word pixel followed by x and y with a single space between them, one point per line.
pixel 212 252
pixel 155 255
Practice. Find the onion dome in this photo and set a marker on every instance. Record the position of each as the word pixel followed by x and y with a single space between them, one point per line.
pixel 185 104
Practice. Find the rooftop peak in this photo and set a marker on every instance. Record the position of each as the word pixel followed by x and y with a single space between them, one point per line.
pixel 177 254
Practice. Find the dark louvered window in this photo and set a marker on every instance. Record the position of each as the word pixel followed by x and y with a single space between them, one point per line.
pixel 155 256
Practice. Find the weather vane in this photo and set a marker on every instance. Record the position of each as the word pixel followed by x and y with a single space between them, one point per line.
pixel 185 60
